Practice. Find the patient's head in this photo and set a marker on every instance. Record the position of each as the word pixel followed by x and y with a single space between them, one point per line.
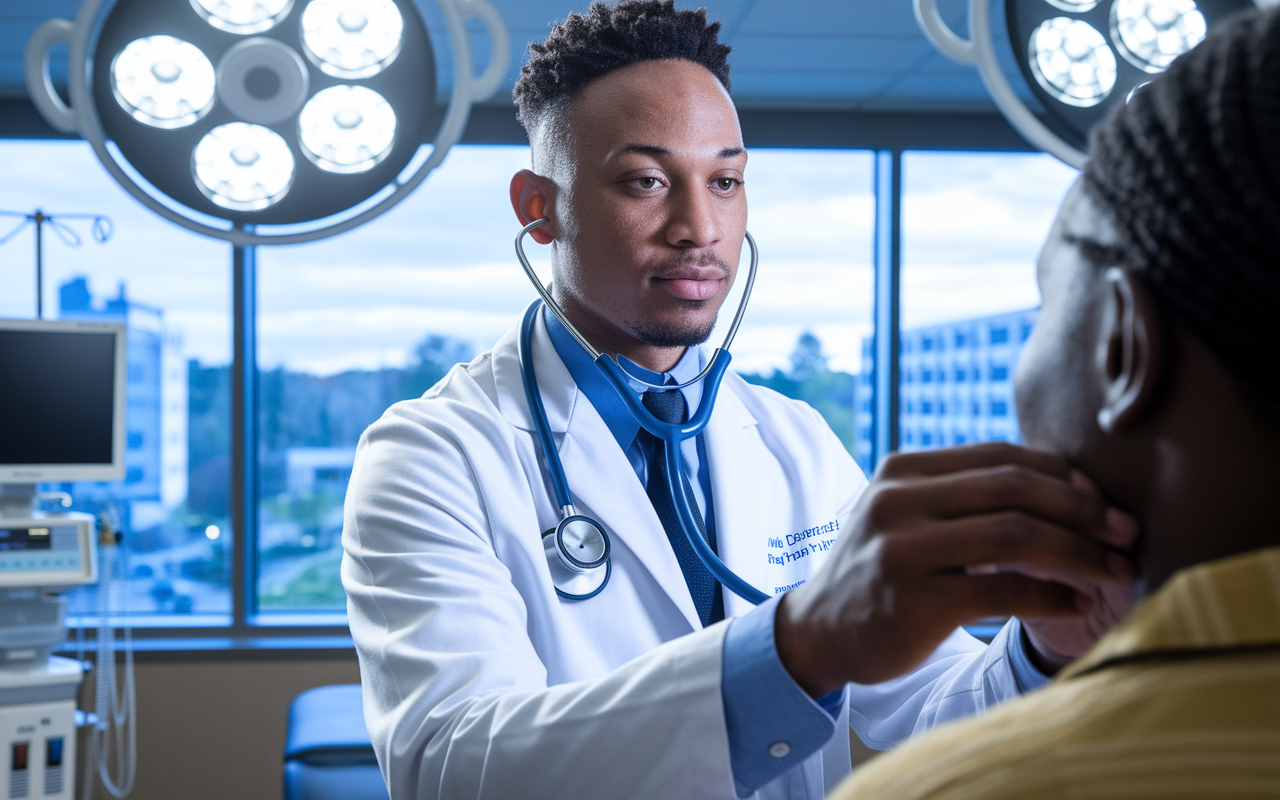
pixel 1155 363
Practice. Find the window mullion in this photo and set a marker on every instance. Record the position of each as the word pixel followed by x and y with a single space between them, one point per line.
pixel 888 284
pixel 244 434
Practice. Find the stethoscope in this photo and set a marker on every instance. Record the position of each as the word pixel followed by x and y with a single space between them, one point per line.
pixel 577 548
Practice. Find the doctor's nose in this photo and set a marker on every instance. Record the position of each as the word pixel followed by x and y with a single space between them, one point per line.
pixel 695 219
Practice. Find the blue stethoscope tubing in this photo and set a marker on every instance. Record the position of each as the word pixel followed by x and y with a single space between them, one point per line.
pixel 673 434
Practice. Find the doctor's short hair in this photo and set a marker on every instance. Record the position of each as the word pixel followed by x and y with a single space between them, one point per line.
pixel 1189 172
pixel 586 46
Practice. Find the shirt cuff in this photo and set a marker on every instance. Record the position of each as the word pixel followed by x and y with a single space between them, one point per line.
pixel 1025 673
pixel 772 723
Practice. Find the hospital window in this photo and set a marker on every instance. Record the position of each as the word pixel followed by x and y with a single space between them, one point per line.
pixel 972 225
pixel 352 324
pixel 172 288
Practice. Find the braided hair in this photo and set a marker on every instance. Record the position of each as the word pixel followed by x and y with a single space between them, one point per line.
pixel 1189 170
pixel 587 46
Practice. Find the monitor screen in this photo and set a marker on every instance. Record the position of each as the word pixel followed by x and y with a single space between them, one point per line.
pixel 60 397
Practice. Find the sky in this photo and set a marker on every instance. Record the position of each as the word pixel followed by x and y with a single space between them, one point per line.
pixel 442 262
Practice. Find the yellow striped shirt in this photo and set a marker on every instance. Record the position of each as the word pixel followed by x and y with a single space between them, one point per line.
pixel 1180 700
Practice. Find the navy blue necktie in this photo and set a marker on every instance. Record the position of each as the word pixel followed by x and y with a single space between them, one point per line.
pixel 670 407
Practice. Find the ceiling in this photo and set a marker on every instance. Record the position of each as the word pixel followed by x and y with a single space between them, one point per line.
pixel 846 55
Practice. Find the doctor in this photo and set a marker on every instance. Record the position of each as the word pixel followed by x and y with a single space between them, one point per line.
pixel 480 681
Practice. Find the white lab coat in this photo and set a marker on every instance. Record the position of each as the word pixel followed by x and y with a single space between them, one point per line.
pixel 480 682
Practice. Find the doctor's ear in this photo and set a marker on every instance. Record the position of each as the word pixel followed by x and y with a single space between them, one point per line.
pixel 532 198
pixel 1131 353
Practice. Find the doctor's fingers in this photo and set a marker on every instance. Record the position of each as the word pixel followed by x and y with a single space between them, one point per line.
pixel 991 490
pixel 1006 541
pixel 965 598
pixel 974 456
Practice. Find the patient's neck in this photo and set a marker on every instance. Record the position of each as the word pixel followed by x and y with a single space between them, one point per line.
pixel 1203 474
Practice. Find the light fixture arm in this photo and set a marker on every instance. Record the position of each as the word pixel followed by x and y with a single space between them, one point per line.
pixel 940 34
pixel 979 50
pixel 81 115
pixel 35 63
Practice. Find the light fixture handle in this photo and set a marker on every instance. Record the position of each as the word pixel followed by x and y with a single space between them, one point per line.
pixel 940 34
pixel 35 63
pixel 488 81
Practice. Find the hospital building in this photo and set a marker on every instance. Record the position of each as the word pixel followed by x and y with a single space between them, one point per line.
pixel 956 383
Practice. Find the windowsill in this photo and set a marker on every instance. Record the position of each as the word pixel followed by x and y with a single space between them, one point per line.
pixel 232 648
pixel 214 637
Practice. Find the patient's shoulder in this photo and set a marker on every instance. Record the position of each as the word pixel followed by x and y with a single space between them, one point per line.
pixel 1135 731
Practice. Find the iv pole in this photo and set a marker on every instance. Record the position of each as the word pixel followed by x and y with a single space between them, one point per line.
pixel 100 229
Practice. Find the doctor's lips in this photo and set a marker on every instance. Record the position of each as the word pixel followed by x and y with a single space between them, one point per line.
pixel 692 282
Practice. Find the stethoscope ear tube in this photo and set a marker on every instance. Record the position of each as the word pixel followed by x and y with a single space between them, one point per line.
pixel 595 354
pixel 578 548
pixel 524 349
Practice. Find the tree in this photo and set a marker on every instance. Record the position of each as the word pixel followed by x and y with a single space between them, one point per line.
pixel 432 359
pixel 812 381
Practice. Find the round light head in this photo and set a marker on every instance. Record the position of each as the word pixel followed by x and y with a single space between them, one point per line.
pixel 1152 33
pixel 352 38
pixel 243 167
pixel 347 129
pixel 1072 62
pixel 1074 6
pixel 163 82
pixel 242 16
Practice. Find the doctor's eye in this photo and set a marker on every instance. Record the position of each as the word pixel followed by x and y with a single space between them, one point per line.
pixel 647 182
pixel 726 184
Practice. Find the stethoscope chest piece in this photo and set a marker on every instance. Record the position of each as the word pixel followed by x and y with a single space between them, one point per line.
pixel 577 552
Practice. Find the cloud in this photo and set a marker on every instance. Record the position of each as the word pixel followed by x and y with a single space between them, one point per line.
pixel 442 260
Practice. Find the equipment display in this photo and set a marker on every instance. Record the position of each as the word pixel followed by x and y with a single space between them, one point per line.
pixel 62 414
pixel 1078 58
pixel 577 549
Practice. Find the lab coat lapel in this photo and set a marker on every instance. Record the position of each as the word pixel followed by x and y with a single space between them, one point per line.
pixel 742 493
pixel 601 480
pixel 605 486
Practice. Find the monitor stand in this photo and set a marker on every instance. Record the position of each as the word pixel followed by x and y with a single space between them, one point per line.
pixel 17 500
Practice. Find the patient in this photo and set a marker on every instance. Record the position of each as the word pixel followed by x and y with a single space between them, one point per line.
pixel 1155 367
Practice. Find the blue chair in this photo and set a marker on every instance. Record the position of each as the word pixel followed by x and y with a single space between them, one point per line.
pixel 327 752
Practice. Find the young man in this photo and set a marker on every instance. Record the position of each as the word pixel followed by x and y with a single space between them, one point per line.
pixel 480 681
pixel 1154 366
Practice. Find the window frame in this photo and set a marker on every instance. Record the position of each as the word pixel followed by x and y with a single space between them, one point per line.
pixel 887 134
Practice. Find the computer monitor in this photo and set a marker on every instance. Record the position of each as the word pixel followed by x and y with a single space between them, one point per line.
pixel 62 401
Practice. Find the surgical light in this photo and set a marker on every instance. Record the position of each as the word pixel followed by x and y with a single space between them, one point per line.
pixel 243 16
pixel 1072 61
pixel 347 129
pixel 265 121
pixel 1152 33
pixel 1065 53
pixel 243 167
pixel 163 82
pixel 352 38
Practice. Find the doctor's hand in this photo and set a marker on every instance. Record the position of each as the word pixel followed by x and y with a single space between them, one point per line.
pixel 1057 641
pixel 944 537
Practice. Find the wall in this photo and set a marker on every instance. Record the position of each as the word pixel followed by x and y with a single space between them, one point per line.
pixel 214 729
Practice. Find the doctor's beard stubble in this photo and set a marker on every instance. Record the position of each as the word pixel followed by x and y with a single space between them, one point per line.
pixel 685 337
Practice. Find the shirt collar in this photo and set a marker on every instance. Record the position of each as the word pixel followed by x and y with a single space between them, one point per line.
pixel 600 391
pixel 1232 602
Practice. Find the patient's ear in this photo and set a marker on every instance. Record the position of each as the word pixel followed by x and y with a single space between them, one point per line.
pixel 1131 353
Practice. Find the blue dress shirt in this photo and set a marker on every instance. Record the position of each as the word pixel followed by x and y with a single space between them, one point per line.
pixel 765 710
